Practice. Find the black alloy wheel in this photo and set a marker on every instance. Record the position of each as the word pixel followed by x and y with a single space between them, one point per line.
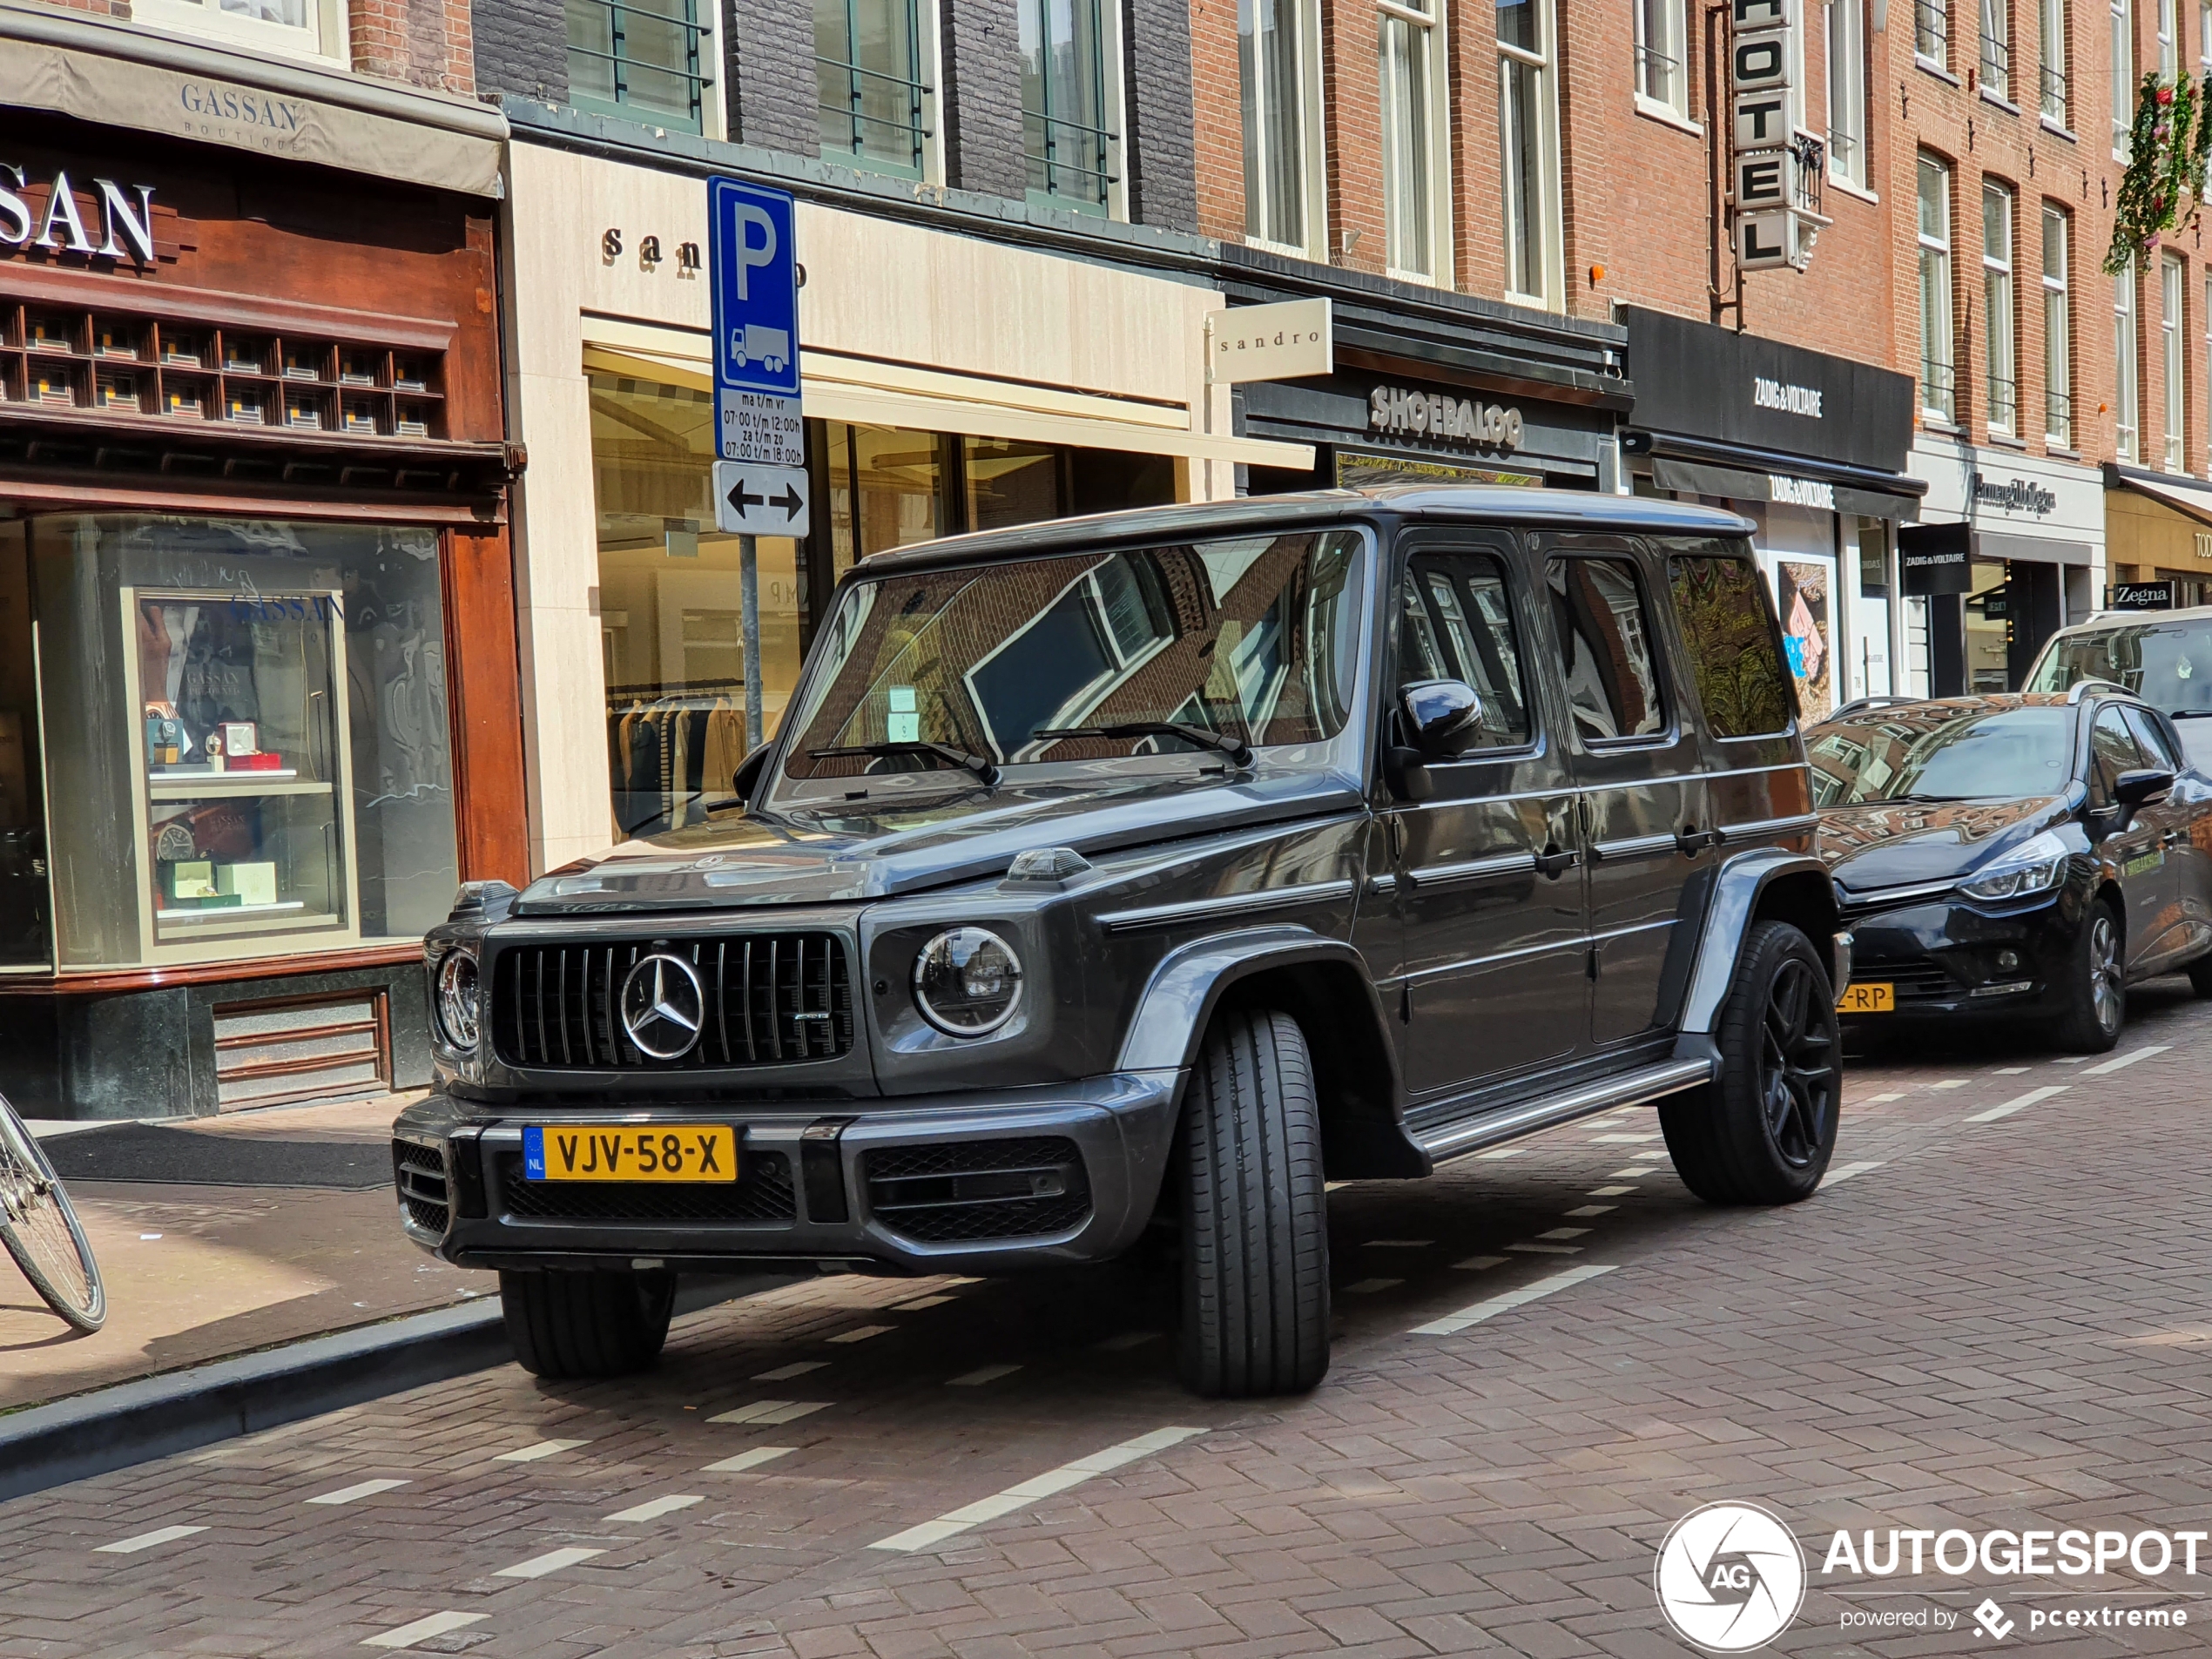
pixel 1798 1074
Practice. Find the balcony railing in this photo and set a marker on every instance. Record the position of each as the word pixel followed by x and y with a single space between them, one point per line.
pixel 1938 388
pixel 853 101
pixel 649 66
pixel 1931 30
pixel 2055 94
pixel 1997 66
pixel 1656 73
pixel 2003 402
pixel 2058 418
pixel 1069 158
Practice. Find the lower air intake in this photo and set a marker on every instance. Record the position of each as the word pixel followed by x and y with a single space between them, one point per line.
pixel 979 1191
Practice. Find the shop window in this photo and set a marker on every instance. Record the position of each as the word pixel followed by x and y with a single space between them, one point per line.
pixel 1409 68
pixel 1528 122
pixel 2170 273
pixel 1997 48
pixel 1277 68
pixel 1604 641
pixel 246 737
pixel 645 60
pixel 2058 330
pixel 1988 625
pixel 1663 55
pixel 1730 637
pixel 1067 86
pixel 1932 33
pixel 1939 397
pixel 25 903
pixel 2051 61
pixel 2124 412
pixel 311 28
pixel 1847 92
pixel 1998 322
pixel 875 101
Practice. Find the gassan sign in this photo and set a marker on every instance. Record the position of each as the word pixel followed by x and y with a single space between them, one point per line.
pixel 123 214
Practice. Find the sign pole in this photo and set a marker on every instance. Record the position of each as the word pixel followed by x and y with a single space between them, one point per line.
pixel 749 602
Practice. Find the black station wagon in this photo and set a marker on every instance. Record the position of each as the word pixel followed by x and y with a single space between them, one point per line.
pixel 1141 874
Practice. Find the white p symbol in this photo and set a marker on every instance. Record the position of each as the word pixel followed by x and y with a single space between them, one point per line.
pixel 748 254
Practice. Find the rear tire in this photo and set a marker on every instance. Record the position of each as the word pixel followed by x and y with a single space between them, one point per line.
pixel 1764 1129
pixel 2096 987
pixel 1255 1267
pixel 594 1324
pixel 2200 973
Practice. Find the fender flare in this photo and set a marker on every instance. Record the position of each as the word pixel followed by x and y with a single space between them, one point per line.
pixel 1737 888
pixel 1178 1001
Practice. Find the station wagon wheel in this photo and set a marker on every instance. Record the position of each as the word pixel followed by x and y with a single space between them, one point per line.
pixel 1798 1073
pixel 2096 995
pixel 1763 1130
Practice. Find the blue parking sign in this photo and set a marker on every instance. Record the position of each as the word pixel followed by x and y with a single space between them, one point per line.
pixel 754 276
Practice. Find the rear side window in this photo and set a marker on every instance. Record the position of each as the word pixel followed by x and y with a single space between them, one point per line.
pixel 1455 623
pixel 1740 679
pixel 1603 633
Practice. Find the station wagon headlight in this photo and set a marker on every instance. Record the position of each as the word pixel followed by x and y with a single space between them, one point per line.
pixel 2032 866
pixel 967 982
pixel 458 999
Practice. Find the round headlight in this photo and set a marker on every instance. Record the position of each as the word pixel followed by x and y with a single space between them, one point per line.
pixel 967 982
pixel 457 999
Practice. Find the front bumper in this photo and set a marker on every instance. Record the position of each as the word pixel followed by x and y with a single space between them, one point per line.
pixel 1946 959
pixel 942 1183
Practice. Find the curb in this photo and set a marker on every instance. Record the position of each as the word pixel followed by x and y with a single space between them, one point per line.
pixel 155 1417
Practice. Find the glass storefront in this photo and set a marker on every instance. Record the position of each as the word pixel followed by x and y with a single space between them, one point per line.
pixel 1988 631
pixel 244 737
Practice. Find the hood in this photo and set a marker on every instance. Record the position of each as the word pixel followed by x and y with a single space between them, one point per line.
pixel 1894 843
pixel 829 854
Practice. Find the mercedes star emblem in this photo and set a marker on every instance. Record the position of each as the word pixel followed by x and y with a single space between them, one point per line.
pixel 664 1005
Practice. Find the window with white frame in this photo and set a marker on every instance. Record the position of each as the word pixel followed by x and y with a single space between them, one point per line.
pixel 1931 31
pixel 2170 270
pixel 2207 358
pixel 1663 54
pixel 2058 330
pixel 2203 38
pixel 2123 75
pixel 2051 72
pixel 1528 124
pixel 1276 43
pixel 2123 363
pixel 1847 92
pixel 1997 48
pixel 1938 398
pixel 2169 52
pixel 1069 141
pixel 1998 331
pixel 305 27
pixel 1409 63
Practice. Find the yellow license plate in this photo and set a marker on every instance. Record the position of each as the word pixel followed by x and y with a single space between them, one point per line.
pixel 1867 999
pixel 630 1152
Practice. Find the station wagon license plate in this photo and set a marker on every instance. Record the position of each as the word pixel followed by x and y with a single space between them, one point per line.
pixel 1867 999
pixel 630 1152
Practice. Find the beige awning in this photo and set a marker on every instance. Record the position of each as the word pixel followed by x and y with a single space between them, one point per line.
pixel 125 76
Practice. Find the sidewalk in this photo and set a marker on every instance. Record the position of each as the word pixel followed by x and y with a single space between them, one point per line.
pixel 220 1236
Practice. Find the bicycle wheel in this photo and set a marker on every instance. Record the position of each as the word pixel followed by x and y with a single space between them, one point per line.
pixel 40 1230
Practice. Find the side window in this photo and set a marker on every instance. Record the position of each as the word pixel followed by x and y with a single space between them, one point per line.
pixel 2112 750
pixel 1604 636
pixel 1722 603
pixel 1455 623
pixel 2151 739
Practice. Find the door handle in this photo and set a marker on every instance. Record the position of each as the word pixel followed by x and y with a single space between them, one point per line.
pixel 1555 860
pixel 1692 840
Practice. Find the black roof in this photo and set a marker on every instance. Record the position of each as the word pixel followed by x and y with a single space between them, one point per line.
pixel 1573 509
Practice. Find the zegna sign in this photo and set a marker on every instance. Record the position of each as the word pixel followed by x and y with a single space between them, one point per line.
pixel 125 218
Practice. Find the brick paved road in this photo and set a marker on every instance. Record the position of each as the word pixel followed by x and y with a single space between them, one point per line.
pixel 1991 1318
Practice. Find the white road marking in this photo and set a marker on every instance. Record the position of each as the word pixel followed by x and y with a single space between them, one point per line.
pixel 751 1459
pixel 1042 1486
pixel 920 1303
pixel 1475 1313
pixel 862 1332
pixel 1633 1172
pixel 1476 1263
pixel 1127 1339
pixel 542 1449
pixel 1623 1140
pixel 1564 1233
pixel 1502 1152
pixel 1876 1099
pixel 784 1373
pixel 1547 1250
pixel 147 1540
pixel 770 1411
pixel 2017 1103
pixel 1951 1082
pixel 1851 1169
pixel 1594 1210
pixel 551 1562
pixel 985 1374
pixel 2127 1059
pixel 654 1509
pixel 1369 1286
pixel 2070 1060
pixel 423 1630
pixel 2009 1072
pixel 365 1489
pixel 1400 1243
pixel 1614 1191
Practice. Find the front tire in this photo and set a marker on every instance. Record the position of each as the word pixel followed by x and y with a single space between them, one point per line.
pixel 594 1324
pixel 2096 987
pixel 2200 973
pixel 1254 1213
pixel 1764 1129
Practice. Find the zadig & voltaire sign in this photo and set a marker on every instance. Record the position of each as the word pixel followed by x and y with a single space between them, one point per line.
pixel 1395 409
pixel 126 218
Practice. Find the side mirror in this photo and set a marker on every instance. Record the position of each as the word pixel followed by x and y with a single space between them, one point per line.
pixel 2141 788
pixel 1444 717
pixel 746 778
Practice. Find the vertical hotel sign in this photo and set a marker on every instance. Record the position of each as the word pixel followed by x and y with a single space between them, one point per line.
pixel 1774 171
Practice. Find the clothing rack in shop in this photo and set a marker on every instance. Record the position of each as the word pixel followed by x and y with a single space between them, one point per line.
pixel 670 688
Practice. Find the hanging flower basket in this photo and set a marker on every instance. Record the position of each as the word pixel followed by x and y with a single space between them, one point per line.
pixel 2163 188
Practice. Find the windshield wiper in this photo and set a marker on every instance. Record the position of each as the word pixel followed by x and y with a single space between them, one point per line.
pixel 945 752
pixel 1239 752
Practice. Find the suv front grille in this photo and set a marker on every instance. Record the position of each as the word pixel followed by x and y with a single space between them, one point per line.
pixel 771 999
pixel 976 1190
pixel 420 1173
pixel 760 1196
pixel 1915 981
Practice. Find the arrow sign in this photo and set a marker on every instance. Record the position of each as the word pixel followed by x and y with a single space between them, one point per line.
pixel 752 499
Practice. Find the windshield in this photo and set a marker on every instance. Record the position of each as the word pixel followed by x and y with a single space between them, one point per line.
pixel 1942 752
pixel 2168 664
pixel 1254 640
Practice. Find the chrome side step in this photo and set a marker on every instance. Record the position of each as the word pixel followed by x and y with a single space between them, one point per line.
pixel 1648 1083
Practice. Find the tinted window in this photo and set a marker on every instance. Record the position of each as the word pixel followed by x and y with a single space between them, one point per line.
pixel 1603 633
pixel 2112 749
pixel 1722 606
pixel 1455 623
pixel 2152 739
pixel 1942 752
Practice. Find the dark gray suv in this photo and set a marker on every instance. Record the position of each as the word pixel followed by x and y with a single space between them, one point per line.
pixel 1140 873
